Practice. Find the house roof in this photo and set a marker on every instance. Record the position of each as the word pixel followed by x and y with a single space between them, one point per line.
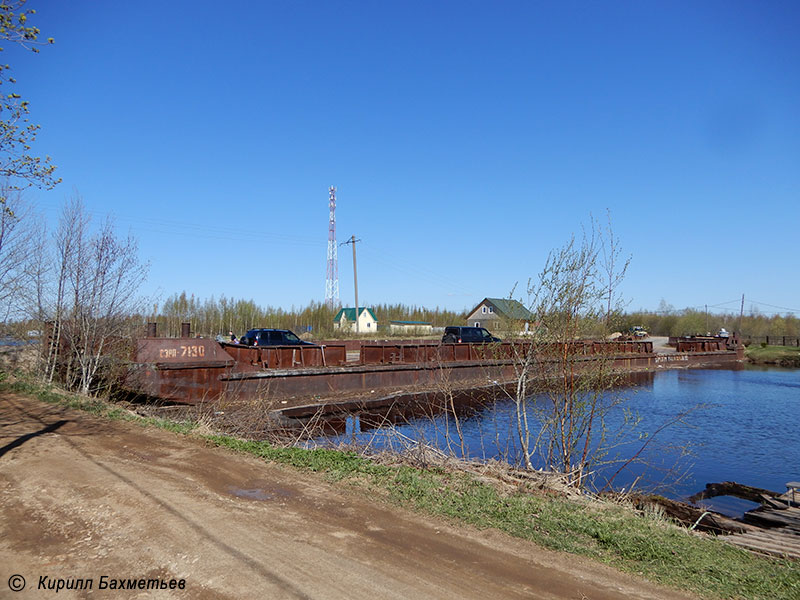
pixel 509 309
pixel 350 313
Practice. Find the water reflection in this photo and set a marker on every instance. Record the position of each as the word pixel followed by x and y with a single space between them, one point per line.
pixel 741 425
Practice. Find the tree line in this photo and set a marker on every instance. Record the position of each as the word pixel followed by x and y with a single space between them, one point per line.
pixel 691 321
pixel 217 316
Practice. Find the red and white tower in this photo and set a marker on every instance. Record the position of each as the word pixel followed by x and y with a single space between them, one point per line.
pixel 332 279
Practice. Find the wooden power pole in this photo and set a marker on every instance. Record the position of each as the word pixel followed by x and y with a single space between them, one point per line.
pixel 353 241
pixel 741 314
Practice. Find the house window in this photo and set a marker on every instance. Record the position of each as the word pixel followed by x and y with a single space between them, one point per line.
pixel 477 323
pixel 483 309
pixel 369 325
pixel 491 310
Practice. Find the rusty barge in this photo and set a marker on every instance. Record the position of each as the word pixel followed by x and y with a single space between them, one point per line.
pixel 191 370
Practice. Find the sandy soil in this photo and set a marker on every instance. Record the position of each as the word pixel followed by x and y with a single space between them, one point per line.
pixel 84 498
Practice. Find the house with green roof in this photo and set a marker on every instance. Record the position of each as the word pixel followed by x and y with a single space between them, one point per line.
pixel 500 314
pixel 345 320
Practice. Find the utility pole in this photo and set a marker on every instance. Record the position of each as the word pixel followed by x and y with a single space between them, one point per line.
pixel 741 313
pixel 353 241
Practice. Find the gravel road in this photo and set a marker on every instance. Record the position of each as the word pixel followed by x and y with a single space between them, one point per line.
pixel 86 498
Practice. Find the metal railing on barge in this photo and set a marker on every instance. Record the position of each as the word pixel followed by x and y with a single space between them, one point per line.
pixel 382 354
pixel 251 358
pixel 177 352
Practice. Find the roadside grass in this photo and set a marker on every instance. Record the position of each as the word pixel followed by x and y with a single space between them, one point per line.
pixel 51 394
pixel 640 543
pixel 787 356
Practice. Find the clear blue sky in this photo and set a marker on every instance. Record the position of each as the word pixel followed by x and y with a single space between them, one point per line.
pixel 466 140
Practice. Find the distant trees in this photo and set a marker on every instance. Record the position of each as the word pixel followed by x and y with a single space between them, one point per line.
pixel 438 317
pixel 218 316
pixel 691 321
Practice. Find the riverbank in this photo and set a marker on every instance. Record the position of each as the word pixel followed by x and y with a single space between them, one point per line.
pixel 782 356
pixel 483 499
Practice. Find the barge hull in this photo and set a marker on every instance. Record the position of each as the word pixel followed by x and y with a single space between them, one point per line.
pixel 197 370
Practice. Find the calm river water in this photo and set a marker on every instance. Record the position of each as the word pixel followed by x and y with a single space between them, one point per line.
pixel 747 430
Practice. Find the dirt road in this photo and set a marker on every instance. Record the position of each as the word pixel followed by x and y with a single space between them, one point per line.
pixel 84 498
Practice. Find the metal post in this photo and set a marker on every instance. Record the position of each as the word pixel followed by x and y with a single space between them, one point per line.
pixel 741 313
pixel 355 277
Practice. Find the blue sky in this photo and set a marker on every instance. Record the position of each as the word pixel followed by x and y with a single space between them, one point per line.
pixel 466 140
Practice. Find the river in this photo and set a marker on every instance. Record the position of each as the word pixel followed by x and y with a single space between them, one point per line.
pixel 743 426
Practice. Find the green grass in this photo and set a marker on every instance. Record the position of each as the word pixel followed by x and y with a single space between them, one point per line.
pixel 52 394
pixel 786 356
pixel 644 544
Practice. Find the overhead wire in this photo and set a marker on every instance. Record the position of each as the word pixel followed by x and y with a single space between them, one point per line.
pixel 415 270
pixel 216 232
pixel 792 310
pixel 186 228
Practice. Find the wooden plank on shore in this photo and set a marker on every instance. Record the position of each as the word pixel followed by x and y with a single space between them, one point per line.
pixel 775 535
pixel 772 502
pixel 753 546
pixel 772 518
pixel 775 547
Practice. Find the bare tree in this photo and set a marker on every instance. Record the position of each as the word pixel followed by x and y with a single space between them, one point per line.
pixel 562 396
pixel 614 267
pixel 95 295
pixel 106 299
pixel 18 231
pixel 68 239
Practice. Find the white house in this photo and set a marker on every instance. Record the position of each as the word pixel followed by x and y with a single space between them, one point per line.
pixel 345 320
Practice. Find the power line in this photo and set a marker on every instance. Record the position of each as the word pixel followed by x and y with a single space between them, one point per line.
pixel 186 228
pixel 723 303
pixel 793 310
pixel 417 271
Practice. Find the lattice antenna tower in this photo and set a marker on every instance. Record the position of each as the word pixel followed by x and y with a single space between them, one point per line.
pixel 332 278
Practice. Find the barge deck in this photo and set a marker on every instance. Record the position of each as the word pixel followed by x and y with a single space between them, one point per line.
pixel 200 370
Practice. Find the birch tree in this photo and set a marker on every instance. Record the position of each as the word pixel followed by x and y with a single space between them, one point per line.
pixel 561 398
pixel 96 294
pixel 18 236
